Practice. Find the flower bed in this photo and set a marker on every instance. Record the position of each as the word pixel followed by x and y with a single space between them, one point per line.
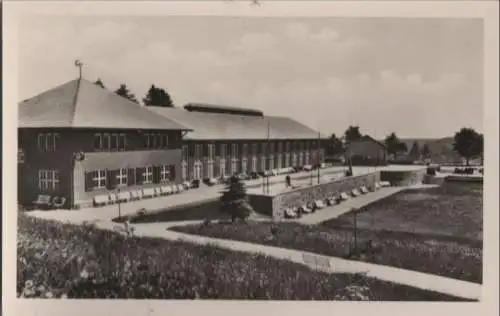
pixel 62 260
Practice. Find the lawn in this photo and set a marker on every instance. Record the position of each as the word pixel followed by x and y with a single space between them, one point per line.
pixel 62 260
pixel 447 241
pixel 196 211
pixel 454 210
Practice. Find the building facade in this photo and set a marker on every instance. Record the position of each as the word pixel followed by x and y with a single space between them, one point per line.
pixel 367 151
pixel 79 140
pixel 226 141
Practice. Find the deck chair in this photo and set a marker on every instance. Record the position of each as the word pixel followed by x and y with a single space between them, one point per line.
pixel 290 213
pixel 180 188
pixel 344 196
pixel 43 201
pixel 318 204
pixel 355 192
pixel 364 190
pixel 58 201
pixel 166 190
pixel 305 209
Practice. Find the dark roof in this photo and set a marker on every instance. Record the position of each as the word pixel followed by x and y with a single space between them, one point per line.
pixel 220 126
pixel 210 108
pixel 369 138
pixel 82 104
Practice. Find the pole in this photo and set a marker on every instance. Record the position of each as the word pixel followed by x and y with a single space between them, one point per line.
pixel 317 157
pixel 119 205
pixel 355 230
pixel 79 64
pixel 269 154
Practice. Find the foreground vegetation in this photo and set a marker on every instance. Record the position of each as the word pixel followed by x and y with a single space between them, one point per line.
pixel 61 260
pixel 436 231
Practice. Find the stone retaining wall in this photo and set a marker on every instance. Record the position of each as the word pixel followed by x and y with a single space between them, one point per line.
pixel 403 178
pixel 275 205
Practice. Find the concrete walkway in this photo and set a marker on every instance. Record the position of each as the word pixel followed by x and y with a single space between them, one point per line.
pixel 317 262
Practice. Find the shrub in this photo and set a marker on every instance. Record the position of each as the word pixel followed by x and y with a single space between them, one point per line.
pixel 233 200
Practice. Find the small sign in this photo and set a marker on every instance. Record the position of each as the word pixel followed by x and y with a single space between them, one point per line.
pixel 20 156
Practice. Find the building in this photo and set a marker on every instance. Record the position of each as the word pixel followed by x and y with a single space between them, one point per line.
pixel 229 140
pixel 367 151
pixel 79 140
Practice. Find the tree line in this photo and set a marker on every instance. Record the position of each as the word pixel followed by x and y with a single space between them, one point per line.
pixel 155 96
pixel 468 143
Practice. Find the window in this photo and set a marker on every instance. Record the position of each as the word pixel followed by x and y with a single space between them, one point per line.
pixel 155 140
pixel 184 152
pixel 211 152
pixel 234 150
pixel 263 148
pixel 198 154
pixel 48 180
pixel 255 149
pixel 147 175
pixel 121 177
pixel 109 141
pixel 280 147
pixel 99 179
pixel 47 142
pixel 288 147
pixel 223 151
pixel 166 173
pixel 245 150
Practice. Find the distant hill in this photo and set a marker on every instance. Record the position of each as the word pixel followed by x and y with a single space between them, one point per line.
pixel 441 148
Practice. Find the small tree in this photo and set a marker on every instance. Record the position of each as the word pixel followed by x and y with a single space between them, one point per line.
pixel 468 144
pixel 415 151
pixel 123 91
pixel 352 133
pixel 234 200
pixel 335 146
pixel 426 152
pixel 157 97
pixel 392 141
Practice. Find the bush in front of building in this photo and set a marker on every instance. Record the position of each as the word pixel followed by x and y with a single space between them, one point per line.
pixel 58 260
pixel 234 200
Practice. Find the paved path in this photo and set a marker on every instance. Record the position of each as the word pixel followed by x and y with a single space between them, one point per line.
pixel 326 264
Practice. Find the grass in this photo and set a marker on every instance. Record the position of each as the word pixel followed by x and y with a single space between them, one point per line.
pixel 195 211
pixel 435 231
pixel 62 260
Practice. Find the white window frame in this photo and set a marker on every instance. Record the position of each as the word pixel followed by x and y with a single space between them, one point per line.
pixel 234 151
pixel 254 163
pixel 211 152
pixel 99 176
pixel 48 179
pixel 147 175
pixel 122 177
pixel 198 152
pixel 184 167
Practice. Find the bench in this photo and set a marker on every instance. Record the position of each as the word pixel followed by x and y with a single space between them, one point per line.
pixel 43 201
pixel 148 193
pixel 123 196
pixel 166 190
pixel 101 199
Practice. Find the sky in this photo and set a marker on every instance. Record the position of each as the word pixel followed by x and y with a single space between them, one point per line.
pixel 418 77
